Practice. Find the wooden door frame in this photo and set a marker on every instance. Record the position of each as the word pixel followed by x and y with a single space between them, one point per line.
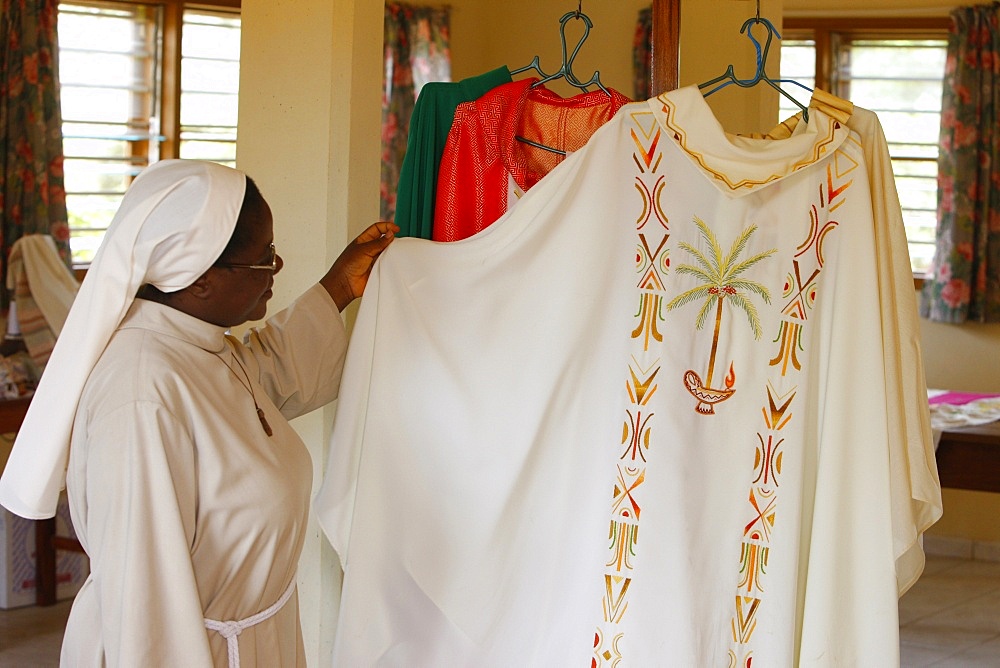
pixel 666 45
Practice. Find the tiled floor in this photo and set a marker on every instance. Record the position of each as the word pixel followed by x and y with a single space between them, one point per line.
pixel 949 619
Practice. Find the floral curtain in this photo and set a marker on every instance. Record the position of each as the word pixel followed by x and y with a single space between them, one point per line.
pixel 642 56
pixel 416 51
pixel 32 197
pixel 964 280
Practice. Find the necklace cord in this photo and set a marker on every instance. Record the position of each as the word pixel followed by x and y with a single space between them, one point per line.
pixel 249 388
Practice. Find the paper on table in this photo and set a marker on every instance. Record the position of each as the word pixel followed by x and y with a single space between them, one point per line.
pixel 952 410
pixel 979 411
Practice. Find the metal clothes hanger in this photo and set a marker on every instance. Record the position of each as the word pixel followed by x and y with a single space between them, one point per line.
pixel 533 65
pixel 566 70
pixel 729 77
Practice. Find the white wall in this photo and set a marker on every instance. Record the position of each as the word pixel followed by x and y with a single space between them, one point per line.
pixel 488 34
pixel 711 41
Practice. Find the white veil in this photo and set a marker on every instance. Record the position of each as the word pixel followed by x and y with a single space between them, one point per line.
pixel 173 223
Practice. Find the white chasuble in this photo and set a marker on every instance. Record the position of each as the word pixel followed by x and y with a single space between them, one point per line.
pixel 646 418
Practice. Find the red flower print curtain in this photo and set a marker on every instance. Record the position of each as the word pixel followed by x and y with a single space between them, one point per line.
pixel 416 51
pixel 32 196
pixel 964 280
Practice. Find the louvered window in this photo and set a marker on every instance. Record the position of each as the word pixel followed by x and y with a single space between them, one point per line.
pixel 140 82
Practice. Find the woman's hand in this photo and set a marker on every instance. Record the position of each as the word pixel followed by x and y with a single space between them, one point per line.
pixel 348 276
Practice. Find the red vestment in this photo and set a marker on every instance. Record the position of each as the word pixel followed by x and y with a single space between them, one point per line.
pixel 484 166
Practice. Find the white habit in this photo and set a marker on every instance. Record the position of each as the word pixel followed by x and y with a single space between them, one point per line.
pixel 197 513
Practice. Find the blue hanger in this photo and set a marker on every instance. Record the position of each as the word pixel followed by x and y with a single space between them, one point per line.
pixel 566 70
pixel 729 77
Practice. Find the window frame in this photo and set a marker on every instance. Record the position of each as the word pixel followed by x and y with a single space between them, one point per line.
pixel 822 29
pixel 825 30
pixel 170 77
pixel 196 131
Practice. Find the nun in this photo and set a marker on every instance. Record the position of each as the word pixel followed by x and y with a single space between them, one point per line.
pixel 187 486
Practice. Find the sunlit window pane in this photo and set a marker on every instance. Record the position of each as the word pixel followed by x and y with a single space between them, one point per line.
pixel 210 82
pixel 798 63
pixel 108 65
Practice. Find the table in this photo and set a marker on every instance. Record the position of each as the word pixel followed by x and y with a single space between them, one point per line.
pixel 12 414
pixel 969 458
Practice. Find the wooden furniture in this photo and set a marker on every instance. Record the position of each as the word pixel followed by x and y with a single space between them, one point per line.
pixel 12 414
pixel 969 458
pixel 47 543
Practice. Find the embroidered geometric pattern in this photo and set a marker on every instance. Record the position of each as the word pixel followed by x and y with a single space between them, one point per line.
pixel 652 264
pixel 718 173
pixel 799 294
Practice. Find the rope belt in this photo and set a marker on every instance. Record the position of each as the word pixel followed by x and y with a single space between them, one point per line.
pixel 231 630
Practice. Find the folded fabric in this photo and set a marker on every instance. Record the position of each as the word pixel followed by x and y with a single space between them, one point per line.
pixel 969 413
pixel 44 289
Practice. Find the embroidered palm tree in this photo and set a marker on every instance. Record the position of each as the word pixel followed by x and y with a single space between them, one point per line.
pixel 721 283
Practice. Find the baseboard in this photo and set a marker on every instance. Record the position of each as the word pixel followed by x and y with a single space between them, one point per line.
pixel 984 551
pixel 961 548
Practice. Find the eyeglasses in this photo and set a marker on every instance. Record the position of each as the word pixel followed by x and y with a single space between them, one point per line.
pixel 272 266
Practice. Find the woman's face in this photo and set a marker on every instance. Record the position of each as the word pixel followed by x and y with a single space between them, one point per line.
pixel 241 292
